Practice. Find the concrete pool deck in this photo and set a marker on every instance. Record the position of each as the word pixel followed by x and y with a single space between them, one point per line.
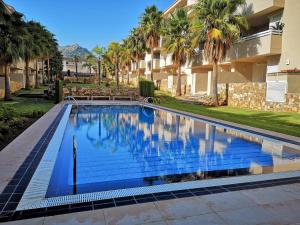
pixel 272 205
pixel 278 205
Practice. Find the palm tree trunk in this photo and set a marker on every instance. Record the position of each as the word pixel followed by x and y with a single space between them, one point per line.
pixel 117 74
pixel 123 76
pixel 27 82
pixel 37 83
pixel 214 85
pixel 99 71
pixel 48 69
pixel 139 74
pixel 178 89
pixel 127 75
pixel 7 94
pixel 43 70
pixel 152 54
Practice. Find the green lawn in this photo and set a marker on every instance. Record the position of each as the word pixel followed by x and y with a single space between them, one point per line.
pixel 31 91
pixel 287 123
pixel 26 106
pixel 17 115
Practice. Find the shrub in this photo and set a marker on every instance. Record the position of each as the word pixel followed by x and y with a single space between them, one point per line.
pixel 58 91
pixel 4 128
pixel 16 123
pixel 146 88
pixel 7 113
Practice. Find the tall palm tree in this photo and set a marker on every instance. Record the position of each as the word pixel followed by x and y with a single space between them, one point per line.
pixel 107 65
pixel 38 32
pixel 32 49
pixel 178 41
pixel 12 30
pixel 76 60
pixel 218 24
pixel 90 62
pixel 151 25
pixel 126 57
pixel 99 53
pixel 138 46
pixel 114 53
pixel 49 47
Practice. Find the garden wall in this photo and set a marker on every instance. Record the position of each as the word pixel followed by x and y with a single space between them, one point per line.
pixel 253 96
pixel 16 83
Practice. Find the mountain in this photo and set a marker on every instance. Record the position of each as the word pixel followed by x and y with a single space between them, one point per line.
pixel 73 50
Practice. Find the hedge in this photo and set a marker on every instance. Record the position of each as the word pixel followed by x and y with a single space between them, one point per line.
pixel 58 91
pixel 146 88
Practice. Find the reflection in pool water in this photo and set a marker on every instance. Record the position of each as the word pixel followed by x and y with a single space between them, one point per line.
pixel 131 146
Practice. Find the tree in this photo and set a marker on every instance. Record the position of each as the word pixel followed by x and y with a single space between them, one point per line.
pixel 90 62
pixel 218 24
pixel 56 63
pixel 126 57
pixel 76 60
pixel 178 41
pixel 12 30
pixel 151 26
pixel 114 53
pixel 106 64
pixel 138 47
pixel 32 50
pixel 99 54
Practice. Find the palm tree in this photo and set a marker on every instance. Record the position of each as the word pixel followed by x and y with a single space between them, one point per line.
pixel 138 46
pixel 48 46
pixel 89 62
pixel 218 24
pixel 178 41
pixel 126 57
pixel 107 65
pixel 12 29
pixel 151 24
pixel 76 60
pixel 99 53
pixel 37 32
pixel 114 53
pixel 32 49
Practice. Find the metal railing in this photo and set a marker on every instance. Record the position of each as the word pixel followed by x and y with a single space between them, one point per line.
pixel 69 98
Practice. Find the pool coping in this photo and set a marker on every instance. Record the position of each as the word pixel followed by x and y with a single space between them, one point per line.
pixel 34 196
pixel 292 177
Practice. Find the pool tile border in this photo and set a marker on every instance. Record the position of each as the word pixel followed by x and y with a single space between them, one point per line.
pixel 12 193
pixel 139 199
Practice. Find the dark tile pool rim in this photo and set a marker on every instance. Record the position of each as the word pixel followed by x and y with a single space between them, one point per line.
pixel 139 199
pixel 13 192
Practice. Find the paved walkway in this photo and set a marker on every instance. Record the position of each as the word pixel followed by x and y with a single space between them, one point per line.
pixel 274 205
pixel 14 154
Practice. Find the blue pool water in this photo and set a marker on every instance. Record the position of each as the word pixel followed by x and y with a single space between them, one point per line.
pixel 132 146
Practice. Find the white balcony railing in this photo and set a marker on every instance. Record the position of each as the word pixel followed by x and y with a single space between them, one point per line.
pixel 261 34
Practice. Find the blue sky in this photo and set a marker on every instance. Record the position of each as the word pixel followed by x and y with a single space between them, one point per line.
pixel 86 22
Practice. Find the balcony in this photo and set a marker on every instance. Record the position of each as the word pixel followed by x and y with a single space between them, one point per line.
pixel 156 64
pixel 191 2
pixel 264 43
pixel 263 7
pixel 142 64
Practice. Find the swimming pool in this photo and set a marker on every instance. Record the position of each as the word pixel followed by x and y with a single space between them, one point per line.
pixel 124 150
pixel 132 146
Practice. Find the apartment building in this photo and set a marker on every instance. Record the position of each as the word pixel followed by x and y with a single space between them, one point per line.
pixel 261 70
pixel 17 75
pixel 69 66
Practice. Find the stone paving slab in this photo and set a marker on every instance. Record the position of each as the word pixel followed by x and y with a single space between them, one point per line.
pixel 13 155
pixel 222 208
